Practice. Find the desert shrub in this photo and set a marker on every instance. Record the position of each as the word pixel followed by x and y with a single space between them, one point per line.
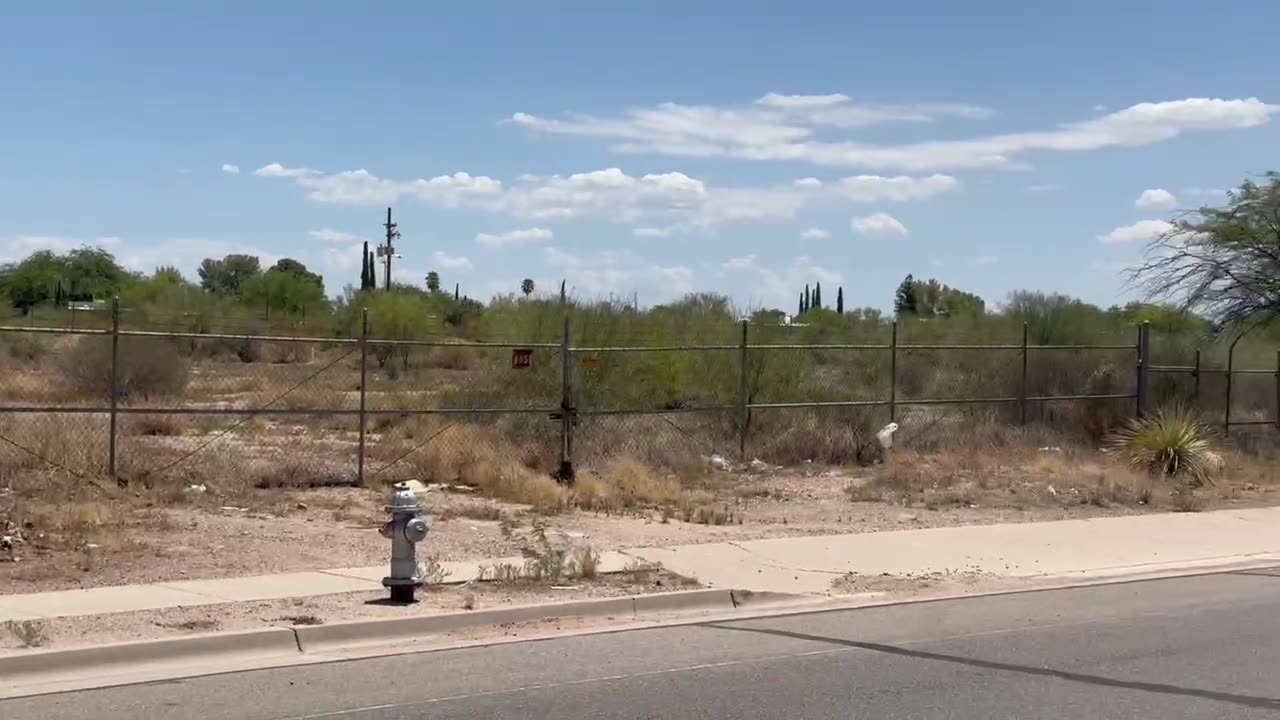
pixel 1171 444
pixel 450 358
pixel 146 367
pixel 156 425
pixel 624 483
pixel 24 346
pixel 287 352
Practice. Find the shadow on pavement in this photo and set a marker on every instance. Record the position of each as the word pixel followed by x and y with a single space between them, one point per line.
pixel 1245 700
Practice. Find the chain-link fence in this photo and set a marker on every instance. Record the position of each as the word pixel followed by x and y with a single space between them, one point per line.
pixel 285 411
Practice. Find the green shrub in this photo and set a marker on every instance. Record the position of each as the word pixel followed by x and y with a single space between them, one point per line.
pixel 1171 444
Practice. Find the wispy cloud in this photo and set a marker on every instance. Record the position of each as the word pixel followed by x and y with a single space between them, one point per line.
pixel 784 128
pixel 879 224
pixel 230 169
pixel 1139 231
pixel 329 235
pixel 673 200
pixel 527 236
pixel 814 233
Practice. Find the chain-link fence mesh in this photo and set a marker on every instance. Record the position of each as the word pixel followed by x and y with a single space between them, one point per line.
pixel 288 411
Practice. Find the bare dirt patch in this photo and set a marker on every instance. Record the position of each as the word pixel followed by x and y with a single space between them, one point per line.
pixel 67 532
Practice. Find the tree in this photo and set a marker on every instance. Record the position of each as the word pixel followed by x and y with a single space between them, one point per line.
pixel 904 300
pixel 228 275
pixel 373 273
pixel 433 281
pixel 364 266
pixel 92 273
pixel 526 286
pixel 280 290
pixel 289 266
pixel 808 300
pixel 800 307
pixel 456 296
pixel 85 273
pixel 563 298
pixel 1223 262
pixel 840 300
pixel 817 296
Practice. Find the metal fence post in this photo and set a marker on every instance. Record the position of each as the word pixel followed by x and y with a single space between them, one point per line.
pixel 1144 362
pixel 743 417
pixel 1022 384
pixel 893 373
pixel 567 411
pixel 1195 397
pixel 364 381
pixel 115 387
pixel 1278 389
pixel 1226 412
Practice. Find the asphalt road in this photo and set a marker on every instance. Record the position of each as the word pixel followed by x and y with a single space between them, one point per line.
pixel 1203 647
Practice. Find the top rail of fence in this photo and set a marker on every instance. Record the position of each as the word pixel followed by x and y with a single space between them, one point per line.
pixel 333 340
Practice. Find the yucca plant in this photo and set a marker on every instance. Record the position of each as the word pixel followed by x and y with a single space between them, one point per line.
pixel 1171 444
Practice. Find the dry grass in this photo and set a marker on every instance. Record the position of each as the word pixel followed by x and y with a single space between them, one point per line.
pixel 1008 476
pixel 625 483
pixel 156 425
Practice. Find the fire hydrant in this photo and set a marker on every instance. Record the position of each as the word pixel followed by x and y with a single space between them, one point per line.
pixel 404 529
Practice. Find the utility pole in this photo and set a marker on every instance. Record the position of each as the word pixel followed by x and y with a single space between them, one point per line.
pixel 389 249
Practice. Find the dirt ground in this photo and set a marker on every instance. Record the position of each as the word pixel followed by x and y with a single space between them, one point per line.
pixel 369 605
pixel 291 530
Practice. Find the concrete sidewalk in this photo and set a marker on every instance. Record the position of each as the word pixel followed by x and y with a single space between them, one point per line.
pixel 1070 548
pixel 1095 548
pixel 189 593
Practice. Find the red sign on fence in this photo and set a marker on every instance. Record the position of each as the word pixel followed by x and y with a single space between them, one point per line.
pixel 521 358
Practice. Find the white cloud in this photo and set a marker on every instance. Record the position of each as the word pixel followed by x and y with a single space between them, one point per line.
pixel 1141 230
pixel 779 283
pixel 782 127
pixel 876 188
pixel 1044 188
pixel 1099 108
pixel 616 274
pixel 1155 198
pixel 329 235
pixel 656 232
pixel 444 261
pixel 802 101
pixel 670 200
pixel 879 224
pixel 527 236
pixel 814 233
pixel 986 260
pixel 278 170
pixel 230 169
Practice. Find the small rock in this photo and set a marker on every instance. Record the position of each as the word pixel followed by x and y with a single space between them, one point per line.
pixel 719 463
pixel 91 546
pixel 195 488
pixel 908 518
pixel 301 506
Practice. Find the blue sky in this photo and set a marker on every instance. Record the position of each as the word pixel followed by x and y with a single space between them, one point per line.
pixel 648 148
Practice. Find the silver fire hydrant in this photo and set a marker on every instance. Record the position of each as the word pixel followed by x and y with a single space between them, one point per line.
pixel 404 529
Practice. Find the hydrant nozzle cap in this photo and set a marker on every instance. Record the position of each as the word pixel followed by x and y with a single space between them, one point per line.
pixel 403 500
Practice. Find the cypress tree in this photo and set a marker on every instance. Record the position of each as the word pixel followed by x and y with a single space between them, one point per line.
pixel 840 300
pixel 817 296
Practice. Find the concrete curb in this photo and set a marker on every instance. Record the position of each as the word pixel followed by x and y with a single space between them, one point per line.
pixel 403 631
pixel 59 670
pixel 117 658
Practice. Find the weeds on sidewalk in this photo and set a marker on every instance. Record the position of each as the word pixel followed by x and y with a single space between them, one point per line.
pixel 31 633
